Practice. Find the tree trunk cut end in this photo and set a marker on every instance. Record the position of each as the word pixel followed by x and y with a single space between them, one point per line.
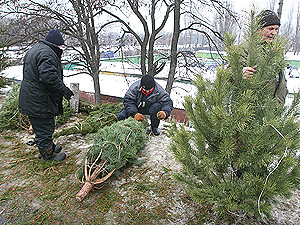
pixel 87 187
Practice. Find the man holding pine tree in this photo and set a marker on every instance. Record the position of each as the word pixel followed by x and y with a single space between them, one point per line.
pixel 243 149
pixel 270 24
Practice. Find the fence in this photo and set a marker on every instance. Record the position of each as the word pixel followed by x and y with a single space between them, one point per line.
pixel 177 114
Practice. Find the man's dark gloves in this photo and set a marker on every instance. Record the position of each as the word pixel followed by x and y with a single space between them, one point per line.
pixel 68 94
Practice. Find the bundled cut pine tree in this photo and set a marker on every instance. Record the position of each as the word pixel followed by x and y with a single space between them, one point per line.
pixel 10 118
pixel 243 150
pixel 104 115
pixel 113 146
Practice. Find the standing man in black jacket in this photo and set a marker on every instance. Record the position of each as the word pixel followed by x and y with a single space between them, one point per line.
pixel 42 91
pixel 147 97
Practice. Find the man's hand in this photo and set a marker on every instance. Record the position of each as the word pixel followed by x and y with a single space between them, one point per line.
pixel 161 115
pixel 68 94
pixel 139 117
pixel 248 72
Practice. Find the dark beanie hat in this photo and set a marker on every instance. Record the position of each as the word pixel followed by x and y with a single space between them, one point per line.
pixel 268 18
pixel 147 82
pixel 55 37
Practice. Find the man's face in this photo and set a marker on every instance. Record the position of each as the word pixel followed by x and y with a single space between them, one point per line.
pixel 147 91
pixel 269 32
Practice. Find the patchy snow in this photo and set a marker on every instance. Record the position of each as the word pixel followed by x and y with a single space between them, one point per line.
pixel 158 156
pixel 113 83
pixel 157 152
pixel 292 56
pixel 287 211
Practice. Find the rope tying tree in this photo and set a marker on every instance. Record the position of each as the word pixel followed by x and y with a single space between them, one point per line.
pixel 113 146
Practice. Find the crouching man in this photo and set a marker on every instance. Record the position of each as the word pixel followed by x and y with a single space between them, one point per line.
pixel 147 97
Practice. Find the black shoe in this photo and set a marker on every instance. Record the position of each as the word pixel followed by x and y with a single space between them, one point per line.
pixel 155 131
pixel 54 157
pixel 31 142
pixel 57 149
pixel 50 155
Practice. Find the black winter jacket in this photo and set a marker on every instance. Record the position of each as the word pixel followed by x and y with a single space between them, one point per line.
pixel 133 98
pixel 42 87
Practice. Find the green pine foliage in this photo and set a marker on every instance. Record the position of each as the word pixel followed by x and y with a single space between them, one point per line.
pixel 103 115
pixel 98 116
pixel 115 145
pixel 67 114
pixel 243 149
pixel 11 118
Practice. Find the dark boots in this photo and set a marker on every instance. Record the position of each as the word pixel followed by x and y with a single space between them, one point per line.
pixel 155 131
pixel 52 154
pixel 57 149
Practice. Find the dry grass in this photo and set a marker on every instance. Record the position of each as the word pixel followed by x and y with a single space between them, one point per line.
pixel 34 192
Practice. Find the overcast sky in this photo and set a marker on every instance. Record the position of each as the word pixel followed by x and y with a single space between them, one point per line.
pixel 288 5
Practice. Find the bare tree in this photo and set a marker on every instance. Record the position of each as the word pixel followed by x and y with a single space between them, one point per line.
pixel 290 29
pixel 287 29
pixel 151 30
pixel 77 19
pixel 279 12
pixel 272 4
pixel 152 27
pixel 174 46
pixel 296 41
pixel 224 21
pixel 198 24
pixel 80 21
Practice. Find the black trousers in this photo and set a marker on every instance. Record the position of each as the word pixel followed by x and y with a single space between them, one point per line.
pixel 43 129
pixel 152 111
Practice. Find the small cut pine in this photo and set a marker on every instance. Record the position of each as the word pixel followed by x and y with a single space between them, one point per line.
pixel 113 147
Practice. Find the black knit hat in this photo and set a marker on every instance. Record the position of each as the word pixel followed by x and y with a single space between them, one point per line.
pixel 268 18
pixel 55 37
pixel 147 82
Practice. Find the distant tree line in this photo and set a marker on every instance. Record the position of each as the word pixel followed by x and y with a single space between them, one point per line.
pixel 89 25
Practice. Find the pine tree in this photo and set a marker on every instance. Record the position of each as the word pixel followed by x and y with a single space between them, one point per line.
pixel 242 150
pixel 103 115
pixel 113 147
pixel 11 118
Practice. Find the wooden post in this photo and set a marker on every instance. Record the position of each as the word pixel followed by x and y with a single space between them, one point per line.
pixel 74 102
